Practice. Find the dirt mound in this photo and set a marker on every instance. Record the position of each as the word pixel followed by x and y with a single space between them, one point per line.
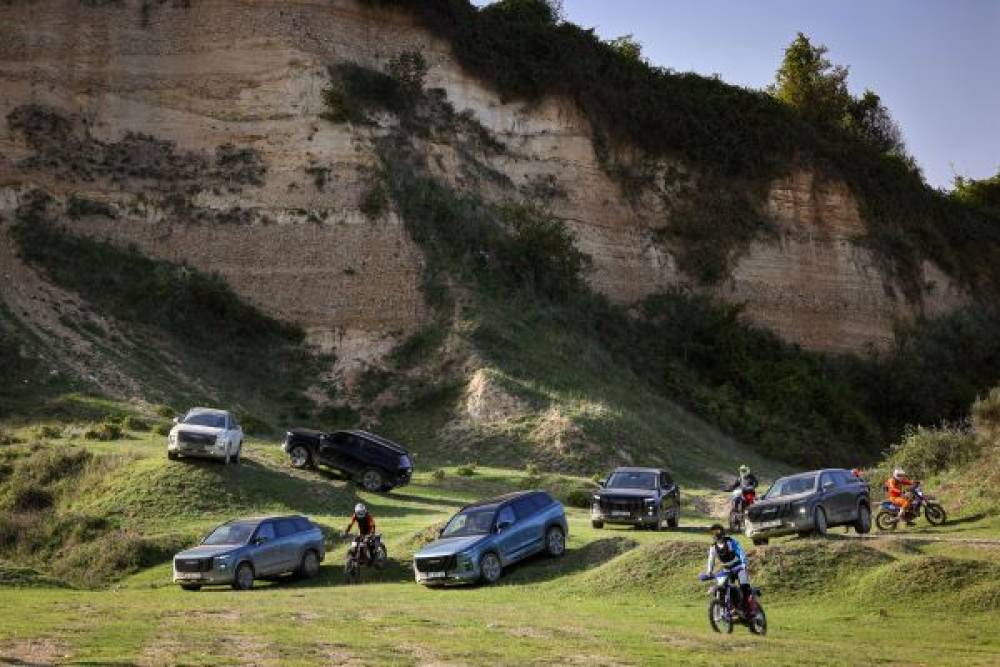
pixel 930 575
pixel 659 567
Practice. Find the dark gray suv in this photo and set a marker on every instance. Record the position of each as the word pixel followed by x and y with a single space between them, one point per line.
pixel 237 552
pixel 638 497
pixel 808 504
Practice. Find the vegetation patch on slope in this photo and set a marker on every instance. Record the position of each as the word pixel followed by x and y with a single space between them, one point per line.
pixel 197 326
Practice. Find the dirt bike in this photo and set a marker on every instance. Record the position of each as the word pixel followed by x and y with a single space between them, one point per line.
pixel 888 516
pixel 364 550
pixel 738 503
pixel 726 607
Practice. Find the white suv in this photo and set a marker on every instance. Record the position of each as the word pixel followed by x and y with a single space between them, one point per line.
pixel 206 433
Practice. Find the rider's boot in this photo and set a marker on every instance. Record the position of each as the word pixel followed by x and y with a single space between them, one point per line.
pixel 749 603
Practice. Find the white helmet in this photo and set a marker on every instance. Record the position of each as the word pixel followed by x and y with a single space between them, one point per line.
pixel 899 474
pixel 360 509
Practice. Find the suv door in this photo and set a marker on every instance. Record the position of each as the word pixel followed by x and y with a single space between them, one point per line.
pixel 510 536
pixel 267 554
pixel 288 546
pixel 329 450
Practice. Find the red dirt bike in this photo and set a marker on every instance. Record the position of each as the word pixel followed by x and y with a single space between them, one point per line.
pixel 738 504
pixel 364 550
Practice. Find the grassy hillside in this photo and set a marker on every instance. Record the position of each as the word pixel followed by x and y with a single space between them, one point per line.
pixel 619 596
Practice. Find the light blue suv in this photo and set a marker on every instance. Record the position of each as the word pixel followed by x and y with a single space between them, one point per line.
pixel 485 537
pixel 237 552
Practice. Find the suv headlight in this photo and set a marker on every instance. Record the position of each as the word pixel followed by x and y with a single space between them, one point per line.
pixel 172 438
pixel 222 562
pixel 220 440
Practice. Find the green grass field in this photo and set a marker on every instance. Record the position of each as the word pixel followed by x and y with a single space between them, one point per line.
pixel 619 596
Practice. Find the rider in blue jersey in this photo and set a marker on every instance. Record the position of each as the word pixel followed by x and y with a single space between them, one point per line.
pixel 728 552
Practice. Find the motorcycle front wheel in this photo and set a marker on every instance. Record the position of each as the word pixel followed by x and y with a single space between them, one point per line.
pixel 380 557
pixel 935 514
pixel 352 571
pixel 718 618
pixel 886 520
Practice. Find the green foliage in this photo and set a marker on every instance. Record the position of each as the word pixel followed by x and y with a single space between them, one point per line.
pixel 162 429
pixel 467 470
pixel 807 82
pixel 627 47
pixel 165 411
pixel 355 92
pixel 983 194
pixel 106 430
pixel 582 498
pixel 867 117
pixel 374 201
pixel 408 69
pixel 48 432
pixel 923 452
pixel 438 475
pixel 133 423
pixel 253 425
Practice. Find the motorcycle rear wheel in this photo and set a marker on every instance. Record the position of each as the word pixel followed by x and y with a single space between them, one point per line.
pixel 935 514
pixel 718 619
pixel 886 520
pixel 758 624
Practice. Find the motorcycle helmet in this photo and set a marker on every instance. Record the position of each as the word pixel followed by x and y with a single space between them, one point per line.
pixel 718 531
pixel 360 510
pixel 899 474
pixel 744 470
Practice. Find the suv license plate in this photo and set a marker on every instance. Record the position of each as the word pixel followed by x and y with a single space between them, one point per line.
pixel 620 513
pixel 435 575
pixel 769 524
pixel 189 575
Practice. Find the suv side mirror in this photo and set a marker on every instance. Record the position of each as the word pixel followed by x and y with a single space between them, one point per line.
pixel 503 525
pixel 602 483
pixel 259 540
pixel 827 486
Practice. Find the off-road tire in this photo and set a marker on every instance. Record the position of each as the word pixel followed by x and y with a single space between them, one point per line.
pixel 300 457
pixel 172 456
pixel 380 558
pixel 597 524
pixel 863 525
pixel 673 521
pixel 243 578
pixel 935 514
pixel 352 570
pixel 886 521
pixel 555 542
pixel 490 568
pixel 716 620
pixel 759 541
pixel 371 480
pixel 309 567
pixel 758 624
pixel 819 523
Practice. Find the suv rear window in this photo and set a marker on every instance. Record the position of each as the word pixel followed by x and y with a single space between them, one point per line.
pixel 302 525
pixel 286 527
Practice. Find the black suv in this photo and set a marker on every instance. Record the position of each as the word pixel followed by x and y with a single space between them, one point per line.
pixel 377 464
pixel 808 503
pixel 638 497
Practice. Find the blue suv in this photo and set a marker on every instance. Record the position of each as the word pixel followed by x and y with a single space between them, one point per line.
pixel 485 537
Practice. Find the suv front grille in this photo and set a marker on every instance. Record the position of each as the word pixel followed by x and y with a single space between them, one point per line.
pixel 193 564
pixel 202 439
pixel 435 564
pixel 630 505
pixel 766 512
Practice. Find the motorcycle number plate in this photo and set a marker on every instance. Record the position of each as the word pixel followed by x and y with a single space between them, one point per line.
pixel 770 524
pixel 435 575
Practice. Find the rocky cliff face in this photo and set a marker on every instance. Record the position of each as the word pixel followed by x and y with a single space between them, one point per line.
pixel 236 85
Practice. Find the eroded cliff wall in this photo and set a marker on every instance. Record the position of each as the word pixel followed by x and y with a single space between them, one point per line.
pixel 249 74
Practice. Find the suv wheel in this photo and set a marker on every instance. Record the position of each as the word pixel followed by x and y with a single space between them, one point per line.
pixel 300 456
pixel 555 542
pixel 819 522
pixel 597 524
pixel 243 581
pixel 309 567
pixel 172 456
pixel 864 523
pixel 490 568
pixel 372 480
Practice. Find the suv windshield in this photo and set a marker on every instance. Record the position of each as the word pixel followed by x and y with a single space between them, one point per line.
pixel 231 533
pixel 476 521
pixel 632 480
pixel 211 419
pixel 790 486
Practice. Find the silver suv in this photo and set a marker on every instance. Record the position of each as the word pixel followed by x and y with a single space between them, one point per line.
pixel 237 552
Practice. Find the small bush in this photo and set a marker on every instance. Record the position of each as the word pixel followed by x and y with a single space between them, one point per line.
pixel 580 498
pixel 31 499
pixel 532 469
pixel 374 201
pixel 107 430
pixel 132 423
pixel 48 432
pixel 165 411
pixel 438 475
pixel 7 438
pixel 162 429
pixel 927 451
pixel 467 470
